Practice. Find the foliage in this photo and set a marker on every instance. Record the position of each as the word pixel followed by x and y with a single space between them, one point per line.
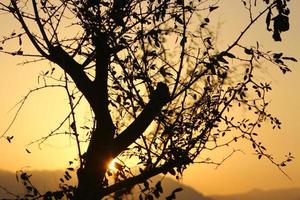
pixel 160 91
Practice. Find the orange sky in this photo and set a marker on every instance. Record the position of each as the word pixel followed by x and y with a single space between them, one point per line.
pixel 241 173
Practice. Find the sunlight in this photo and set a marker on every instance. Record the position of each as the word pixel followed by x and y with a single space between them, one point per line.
pixel 112 165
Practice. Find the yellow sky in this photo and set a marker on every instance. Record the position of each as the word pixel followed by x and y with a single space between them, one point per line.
pixel 241 173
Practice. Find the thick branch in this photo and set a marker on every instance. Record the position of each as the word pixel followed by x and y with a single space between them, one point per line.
pixel 102 62
pixel 101 140
pixel 158 99
pixel 74 69
pixel 128 183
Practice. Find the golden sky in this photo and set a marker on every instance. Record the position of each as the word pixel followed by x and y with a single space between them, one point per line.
pixel 242 172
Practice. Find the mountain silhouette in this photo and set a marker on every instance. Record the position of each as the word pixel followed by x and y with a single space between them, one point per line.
pixel 48 180
pixel 258 194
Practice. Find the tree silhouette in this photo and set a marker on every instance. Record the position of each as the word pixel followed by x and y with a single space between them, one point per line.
pixel 160 91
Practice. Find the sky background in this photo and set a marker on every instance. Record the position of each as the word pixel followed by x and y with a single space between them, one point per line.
pixel 242 172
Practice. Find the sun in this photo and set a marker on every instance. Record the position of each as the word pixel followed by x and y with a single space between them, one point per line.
pixel 112 165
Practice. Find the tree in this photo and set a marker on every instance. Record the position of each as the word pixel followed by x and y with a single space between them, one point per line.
pixel 160 91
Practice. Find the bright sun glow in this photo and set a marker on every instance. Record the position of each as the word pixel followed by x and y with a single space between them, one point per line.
pixel 111 165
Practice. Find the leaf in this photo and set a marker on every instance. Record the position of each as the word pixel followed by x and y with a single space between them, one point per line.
pixel 230 55
pixel 156 194
pixel 206 20
pixel 19 52
pixel 159 187
pixel 58 194
pixel 179 20
pixel 278 61
pixel 24 176
pixel 146 185
pixel 268 20
pixel 248 51
pixel 183 41
pixel 140 197
pixel 20 40
pixel 9 138
pixel 290 58
pixel 48 195
pixel 277 55
pixel 119 98
pixel 221 59
pixel 262 147
pixel 282 164
pixel 177 190
pixel 172 171
pixel 73 126
pixel 66 177
pixel 276 36
pixel 149 197
pixel 29 188
pixel 212 8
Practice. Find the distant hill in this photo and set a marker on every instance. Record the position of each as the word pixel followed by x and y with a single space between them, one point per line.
pixel 44 180
pixel 48 180
pixel 188 192
pixel 257 194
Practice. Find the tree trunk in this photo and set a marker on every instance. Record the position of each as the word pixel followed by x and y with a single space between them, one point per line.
pixel 95 163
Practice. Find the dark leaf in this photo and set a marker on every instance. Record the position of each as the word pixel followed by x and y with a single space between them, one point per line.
pixel 70 168
pixel 268 19
pixel 29 188
pixel 183 41
pixel 290 58
pixel 276 36
pixel 248 51
pixel 277 55
pixel 156 194
pixel 58 195
pixel 179 20
pixel 172 171
pixel 149 197
pixel 230 55
pixel 177 190
pixel 73 126
pixel 20 40
pixel 282 164
pixel 140 197
pixel 20 52
pixel 28 151
pixel 212 8
pixel 159 187
pixel 9 138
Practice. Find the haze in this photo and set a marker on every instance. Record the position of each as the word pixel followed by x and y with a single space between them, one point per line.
pixel 241 173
